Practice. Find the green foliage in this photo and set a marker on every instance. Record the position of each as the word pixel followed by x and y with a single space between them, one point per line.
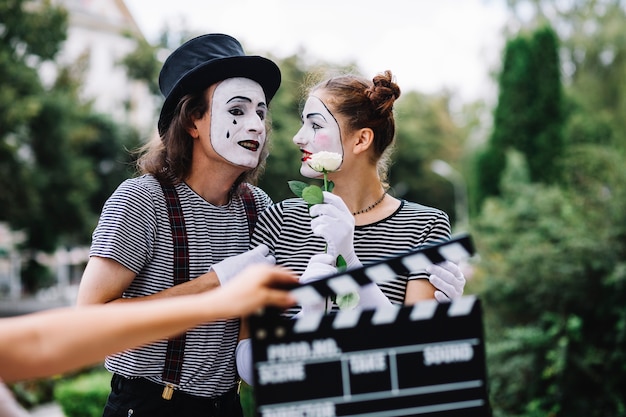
pixel 297 187
pixel 425 131
pixel 58 159
pixel 36 276
pixel 529 114
pixel 284 160
pixel 552 270
pixel 84 395
pixel 33 392
pixel 313 195
pixel 246 395
pixel 544 146
pixel 142 64
pixel 27 36
pixel 76 159
pixel 489 163
pixel 593 51
pixel 553 281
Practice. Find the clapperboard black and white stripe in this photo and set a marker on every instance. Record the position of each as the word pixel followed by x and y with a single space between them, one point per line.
pixel 425 359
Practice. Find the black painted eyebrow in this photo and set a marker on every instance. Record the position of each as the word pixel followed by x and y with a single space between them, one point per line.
pixel 239 98
pixel 310 115
pixel 243 98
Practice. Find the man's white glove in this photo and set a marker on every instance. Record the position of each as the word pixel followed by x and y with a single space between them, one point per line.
pixel 230 267
pixel 448 279
pixel 243 355
pixel 334 222
pixel 320 266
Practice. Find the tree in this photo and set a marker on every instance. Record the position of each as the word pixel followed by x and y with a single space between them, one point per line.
pixel 593 49
pixel 58 158
pixel 553 280
pixel 425 131
pixel 77 159
pixel 552 274
pixel 22 48
pixel 528 117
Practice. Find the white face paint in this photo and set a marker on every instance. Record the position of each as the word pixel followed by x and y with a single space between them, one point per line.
pixel 319 132
pixel 238 112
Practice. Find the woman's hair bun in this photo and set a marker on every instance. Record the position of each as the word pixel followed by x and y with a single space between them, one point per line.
pixel 384 92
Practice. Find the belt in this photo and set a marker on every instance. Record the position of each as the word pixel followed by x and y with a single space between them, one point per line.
pixel 148 388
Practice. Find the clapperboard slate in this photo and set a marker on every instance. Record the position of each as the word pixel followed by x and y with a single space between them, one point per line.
pixel 426 359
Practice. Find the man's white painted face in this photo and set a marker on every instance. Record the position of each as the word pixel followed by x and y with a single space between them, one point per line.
pixel 319 132
pixel 238 112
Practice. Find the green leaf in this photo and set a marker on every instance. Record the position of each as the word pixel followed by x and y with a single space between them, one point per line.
pixel 341 263
pixel 297 187
pixel 313 195
pixel 348 301
pixel 330 185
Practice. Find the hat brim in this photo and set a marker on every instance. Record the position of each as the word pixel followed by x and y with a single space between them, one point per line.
pixel 256 68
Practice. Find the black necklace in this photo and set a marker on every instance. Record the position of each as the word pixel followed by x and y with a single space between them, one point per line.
pixel 368 208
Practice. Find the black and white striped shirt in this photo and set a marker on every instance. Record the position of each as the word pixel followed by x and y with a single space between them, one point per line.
pixel 134 230
pixel 286 228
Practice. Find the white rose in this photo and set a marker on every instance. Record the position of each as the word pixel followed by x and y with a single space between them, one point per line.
pixel 325 161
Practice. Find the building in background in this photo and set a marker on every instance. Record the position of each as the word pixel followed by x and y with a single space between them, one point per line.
pixel 98 37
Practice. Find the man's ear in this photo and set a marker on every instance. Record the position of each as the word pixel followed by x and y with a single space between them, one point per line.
pixel 193 131
pixel 364 140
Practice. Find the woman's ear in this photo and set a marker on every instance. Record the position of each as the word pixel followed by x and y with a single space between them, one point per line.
pixel 364 139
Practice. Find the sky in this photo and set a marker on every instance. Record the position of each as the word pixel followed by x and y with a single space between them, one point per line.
pixel 430 45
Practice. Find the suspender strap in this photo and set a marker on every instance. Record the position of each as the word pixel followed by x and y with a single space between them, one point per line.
pixel 176 345
pixel 248 204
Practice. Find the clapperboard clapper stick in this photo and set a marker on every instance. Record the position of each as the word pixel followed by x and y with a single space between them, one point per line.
pixel 425 359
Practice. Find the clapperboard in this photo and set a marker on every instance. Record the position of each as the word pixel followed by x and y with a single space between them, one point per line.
pixel 425 359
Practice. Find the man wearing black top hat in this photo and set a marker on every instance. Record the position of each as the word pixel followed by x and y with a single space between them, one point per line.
pixel 183 227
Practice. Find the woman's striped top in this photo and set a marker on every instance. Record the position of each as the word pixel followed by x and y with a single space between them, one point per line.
pixel 286 228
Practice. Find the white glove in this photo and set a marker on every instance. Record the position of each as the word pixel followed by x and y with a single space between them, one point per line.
pixel 448 279
pixel 243 355
pixel 334 222
pixel 320 266
pixel 370 296
pixel 230 267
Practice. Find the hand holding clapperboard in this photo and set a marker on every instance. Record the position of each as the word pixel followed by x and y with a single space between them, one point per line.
pixel 425 359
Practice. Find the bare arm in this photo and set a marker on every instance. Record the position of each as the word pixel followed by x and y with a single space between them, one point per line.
pixel 418 290
pixel 54 341
pixel 105 280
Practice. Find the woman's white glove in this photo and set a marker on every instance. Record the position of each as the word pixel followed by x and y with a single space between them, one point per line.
pixel 448 279
pixel 230 267
pixel 320 266
pixel 370 296
pixel 334 222
pixel 243 355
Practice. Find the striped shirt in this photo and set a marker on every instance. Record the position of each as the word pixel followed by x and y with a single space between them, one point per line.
pixel 286 228
pixel 134 230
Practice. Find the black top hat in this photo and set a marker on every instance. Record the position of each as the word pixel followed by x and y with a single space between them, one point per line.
pixel 205 60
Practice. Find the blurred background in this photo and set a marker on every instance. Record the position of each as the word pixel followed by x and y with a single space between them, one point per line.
pixel 512 119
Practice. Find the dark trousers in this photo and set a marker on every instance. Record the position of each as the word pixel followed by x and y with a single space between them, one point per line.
pixel 142 398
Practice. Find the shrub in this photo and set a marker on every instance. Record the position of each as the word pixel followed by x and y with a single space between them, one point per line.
pixel 85 395
pixel 247 400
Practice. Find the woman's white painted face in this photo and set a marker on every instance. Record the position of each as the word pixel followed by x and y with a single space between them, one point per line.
pixel 238 112
pixel 319 132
